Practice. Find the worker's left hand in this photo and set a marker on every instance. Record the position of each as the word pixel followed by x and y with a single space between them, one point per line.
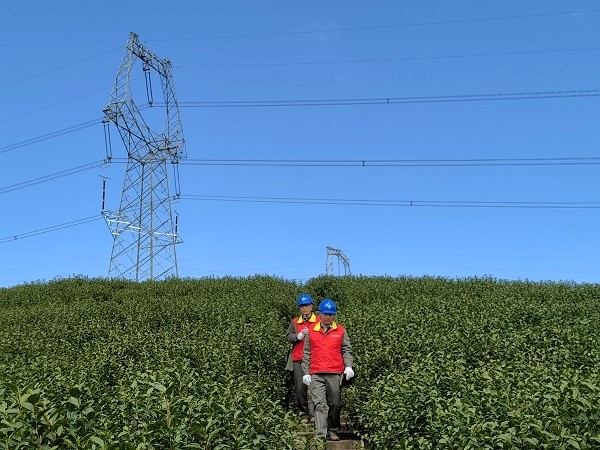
pixel 302 334
pixel 306 380
pixel 348 372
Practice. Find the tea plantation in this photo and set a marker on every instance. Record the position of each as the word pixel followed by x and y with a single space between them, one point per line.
pixel 199 364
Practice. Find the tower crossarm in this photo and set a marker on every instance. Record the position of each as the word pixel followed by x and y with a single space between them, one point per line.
pixel 143 143
pixel 331 252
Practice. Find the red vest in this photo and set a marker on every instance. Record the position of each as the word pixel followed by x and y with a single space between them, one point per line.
pixel 326 349
pixel 299 324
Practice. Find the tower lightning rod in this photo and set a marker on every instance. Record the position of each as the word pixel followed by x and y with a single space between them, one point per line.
pixel 143 230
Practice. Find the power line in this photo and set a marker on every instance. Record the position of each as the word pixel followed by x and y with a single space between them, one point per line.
pixel 255 270
pixel 52 106
pixel 567 161
pixel 50 229
pixel 329 102
pixel 62 103
pixel 481 162
pixel 47 267
pixel 371 60
pixel 528 257
pixel 52 176
pixel 329 30
pixel 57 68
pixel 395 100
pixel 58 133
pixel 51 135
pixel 325 163
pixel 381 27
pixel 250 256
pixel 396 203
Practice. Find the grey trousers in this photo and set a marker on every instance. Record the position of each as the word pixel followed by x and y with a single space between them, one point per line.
pixel 326 394
pixel 303 397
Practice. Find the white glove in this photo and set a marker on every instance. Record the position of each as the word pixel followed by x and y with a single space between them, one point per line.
pixel 306 380
pixel 302 334
pixel 348 372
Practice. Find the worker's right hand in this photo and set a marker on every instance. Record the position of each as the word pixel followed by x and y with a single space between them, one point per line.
pixel 306 380
pixel 348 372
pixel 302 334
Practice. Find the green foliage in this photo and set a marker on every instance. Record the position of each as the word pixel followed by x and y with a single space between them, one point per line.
pixel 198 364
pixel 91 364
pixel 474 363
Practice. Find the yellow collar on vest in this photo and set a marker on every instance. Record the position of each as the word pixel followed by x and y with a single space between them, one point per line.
pixel 313 318
pixel 333 326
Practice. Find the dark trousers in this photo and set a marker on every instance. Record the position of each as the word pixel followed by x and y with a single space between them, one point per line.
pixel 302 395
pixel 328 402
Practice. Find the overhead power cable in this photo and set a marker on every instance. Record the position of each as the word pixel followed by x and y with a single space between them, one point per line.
pixel 372 60
pixel 52 176
pixel 51 106
pixel 394 100
pixel 61 103
pixel 328 30
pixel 50 229
pixel 381 27
pixel 57 68
pixel 51 135
pixel 58 133
pixel 327 102
pixel 395 203
pixel 566 161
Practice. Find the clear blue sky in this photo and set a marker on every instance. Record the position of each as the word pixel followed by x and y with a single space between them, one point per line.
pixel 59 61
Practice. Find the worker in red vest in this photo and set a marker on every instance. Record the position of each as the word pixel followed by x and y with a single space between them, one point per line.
pixel 296 333
pixel 326 361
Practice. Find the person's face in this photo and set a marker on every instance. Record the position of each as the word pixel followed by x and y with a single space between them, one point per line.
pixel 305 310
pixel 327 319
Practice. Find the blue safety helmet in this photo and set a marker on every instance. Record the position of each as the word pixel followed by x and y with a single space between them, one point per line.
pixel 327 306
pixel 305 299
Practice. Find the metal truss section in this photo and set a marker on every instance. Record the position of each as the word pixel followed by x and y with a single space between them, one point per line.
pixel 143 229
pixel 331 252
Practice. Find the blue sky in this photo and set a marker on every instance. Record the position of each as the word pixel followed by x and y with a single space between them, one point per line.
pixel 60 61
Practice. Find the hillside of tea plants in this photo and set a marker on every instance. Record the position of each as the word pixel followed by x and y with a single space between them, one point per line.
pixel 199 364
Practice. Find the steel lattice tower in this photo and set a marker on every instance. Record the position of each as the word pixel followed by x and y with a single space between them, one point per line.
pixel 331 252
pixel 143 229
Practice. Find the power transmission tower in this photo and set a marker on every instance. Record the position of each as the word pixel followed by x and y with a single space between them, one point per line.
pixel 144 232
pixel 331 252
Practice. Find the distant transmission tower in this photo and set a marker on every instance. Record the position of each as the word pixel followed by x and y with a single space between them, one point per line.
pixel 331 252
pixel 143 228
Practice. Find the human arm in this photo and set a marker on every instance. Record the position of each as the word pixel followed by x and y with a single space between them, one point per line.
pixel 347 350
pixel 291 334
pixel 306 357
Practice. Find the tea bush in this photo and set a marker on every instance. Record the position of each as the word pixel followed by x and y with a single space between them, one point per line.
pixel 474 363
pixel 117 365
pixel 198 364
